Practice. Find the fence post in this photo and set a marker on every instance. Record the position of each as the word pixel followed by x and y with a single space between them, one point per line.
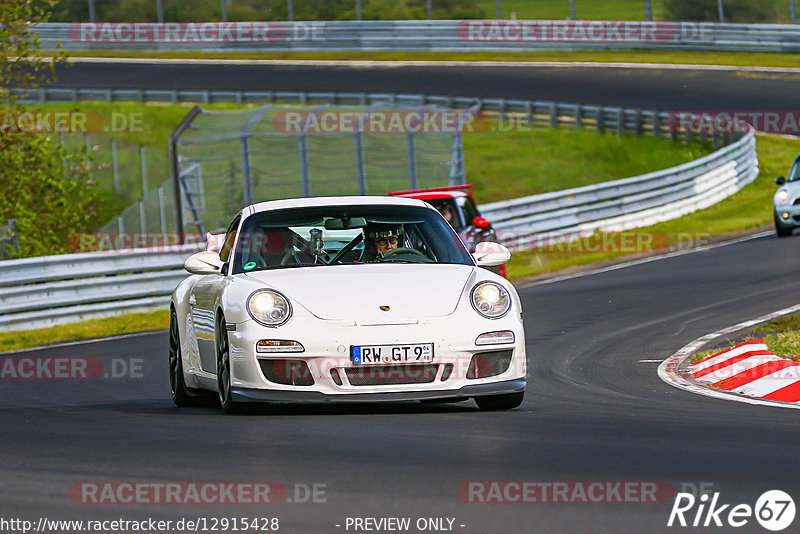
pixel 412 161
pixel 304 174
pixel 792 12
pixel 457 175
pixel 657 124
pixel 572 9
pixel 578 117
pixel 639 123
pixel 620 121
pixel 648 10
pixel 120 225
pixel 721 10
pixel 290 10
pixel 553 115
pixel 429 9
pixel 142 224
pixel 600 120
pixel 160 11
pixel 224 9
pixel 358 9
pixel 247 185
pixel 360 175
pixel 143 160
pixel 161 213
pixel 175 168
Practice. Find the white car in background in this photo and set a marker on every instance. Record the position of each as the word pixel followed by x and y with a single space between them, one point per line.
pixel 298 305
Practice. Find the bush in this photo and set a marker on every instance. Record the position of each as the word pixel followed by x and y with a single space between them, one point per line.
pixel 46 188
pixel 734 10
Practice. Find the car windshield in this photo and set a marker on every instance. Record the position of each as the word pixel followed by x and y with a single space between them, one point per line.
pixel 449 210
pixel 346 235
pixel 794 172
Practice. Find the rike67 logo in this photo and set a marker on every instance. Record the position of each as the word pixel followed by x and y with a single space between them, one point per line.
pixel 774 510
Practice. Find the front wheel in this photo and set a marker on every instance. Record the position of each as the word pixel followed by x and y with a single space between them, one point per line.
pixel 224 368
pixel 181 395
pixel 494 403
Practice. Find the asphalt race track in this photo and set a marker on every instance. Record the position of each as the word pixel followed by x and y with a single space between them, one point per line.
pixel 593 412
pixel 672 90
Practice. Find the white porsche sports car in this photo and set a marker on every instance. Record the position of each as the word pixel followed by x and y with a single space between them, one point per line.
pixel 346 299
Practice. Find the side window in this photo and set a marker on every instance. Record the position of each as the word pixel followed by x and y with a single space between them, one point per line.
pixel 230 238
pixel 470 210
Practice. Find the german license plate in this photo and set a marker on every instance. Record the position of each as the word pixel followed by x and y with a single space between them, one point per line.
pixel 390 354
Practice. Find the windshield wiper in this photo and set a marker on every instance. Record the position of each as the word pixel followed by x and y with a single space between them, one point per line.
pixel 287 266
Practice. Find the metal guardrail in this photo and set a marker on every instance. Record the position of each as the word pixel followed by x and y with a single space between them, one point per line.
pixel 629 203
pixel 405 35
pixel 48 290
pixel 534 113
pixel 38 292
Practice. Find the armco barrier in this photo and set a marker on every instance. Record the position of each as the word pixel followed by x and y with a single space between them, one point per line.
pixel 48 290
pixel 404 35
pixel 39 292
pixel 629 203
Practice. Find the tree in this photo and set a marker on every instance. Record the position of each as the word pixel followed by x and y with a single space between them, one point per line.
pixel 43 186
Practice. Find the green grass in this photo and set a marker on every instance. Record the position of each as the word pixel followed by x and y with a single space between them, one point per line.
pixel 782 337
pixel 95 328
pixel 737 59
pixel 748 209
pixel 584 9
pixel 520 163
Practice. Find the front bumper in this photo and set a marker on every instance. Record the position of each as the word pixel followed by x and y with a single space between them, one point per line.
pixel 327 354
pixel 793 220
pixel 466 392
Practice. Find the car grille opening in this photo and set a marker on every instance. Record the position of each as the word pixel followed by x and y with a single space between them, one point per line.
pixel 448 370
pixel 287 372
pixel 380 375
pixel 336 378
pixel 488 364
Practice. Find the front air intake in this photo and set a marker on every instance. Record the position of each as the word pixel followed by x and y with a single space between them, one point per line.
pixel 488 364
pixel 286 372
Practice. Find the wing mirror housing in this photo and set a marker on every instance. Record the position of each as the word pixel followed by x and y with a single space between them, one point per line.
pixel 490 254
pixel 206 262
pixel 480 222
pixel 780 180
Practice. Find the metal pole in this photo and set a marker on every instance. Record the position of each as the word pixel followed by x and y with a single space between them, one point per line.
pixel 224 8
pixel 143 160
pixel 429 9
pixel 358 9
pixel 721 11
pixel 412 161
pixel 160 11
pixel 142 224
pixel 648 10
pixel 290 9
pixel 91 10
pixel 457 174
pixel 304 175
pixel 499 12
pixel 360 175
pixel 115 164
pixel 247 185
pixel 161 213
pixel 572 9
pixel 791 7
pixel 175 170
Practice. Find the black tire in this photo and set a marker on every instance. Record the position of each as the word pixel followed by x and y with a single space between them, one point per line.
pixel 181 395
pixel 224 368
pixel 780 230
pixel 493 403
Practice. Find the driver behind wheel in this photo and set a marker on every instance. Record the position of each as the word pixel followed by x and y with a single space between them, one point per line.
pixel 382 239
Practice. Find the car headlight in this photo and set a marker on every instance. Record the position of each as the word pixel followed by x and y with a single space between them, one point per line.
pixel 268 307
pixel 491 300
pixel 783 196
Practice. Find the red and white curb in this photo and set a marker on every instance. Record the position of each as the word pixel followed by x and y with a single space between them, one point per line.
pixel 746 373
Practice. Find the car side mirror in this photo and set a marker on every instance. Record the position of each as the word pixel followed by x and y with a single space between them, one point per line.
pixel 490 254
pixel 780 180
pixel 206 262
pixel 480 222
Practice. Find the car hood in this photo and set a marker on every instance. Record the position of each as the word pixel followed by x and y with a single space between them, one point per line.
pixel 356 292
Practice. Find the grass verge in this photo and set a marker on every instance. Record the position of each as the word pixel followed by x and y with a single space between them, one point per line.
pixel 748 210
pixel 735 59
pixel 93 328
pixel 781 335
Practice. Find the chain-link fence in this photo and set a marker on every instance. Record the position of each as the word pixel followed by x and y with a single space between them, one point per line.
pixel 229 159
